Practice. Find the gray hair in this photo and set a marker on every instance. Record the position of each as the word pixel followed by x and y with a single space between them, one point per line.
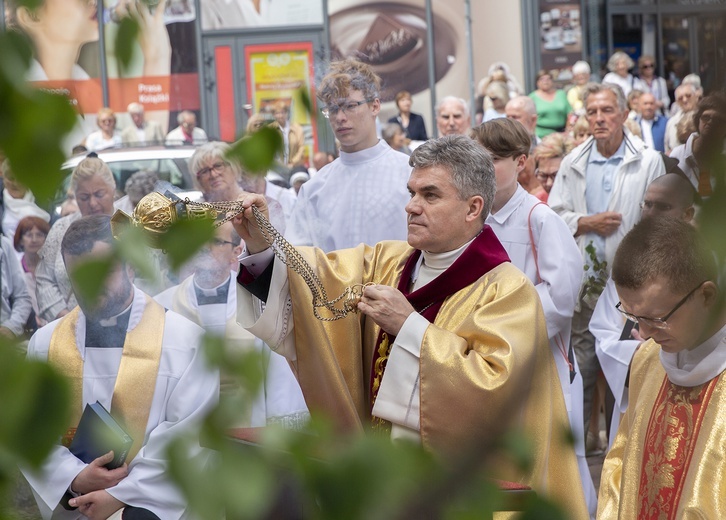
pixel 180 116
pixel 524 102
pixel 91 167
pixel 390 130
pixel 596 88
pixel 694 80
pixel 135 108
pixel 447 99
pixel 212 150
pixel 140 184
pixel 470 165
pixel 581 67
pixel 685 86
pixel 616 57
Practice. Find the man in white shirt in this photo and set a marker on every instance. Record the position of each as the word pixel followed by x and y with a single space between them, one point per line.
pixel 187 132
pixel 359 197
pixel 539 243
pixel 141 132
pixel 144 365
pixel 208 297
pixel 597 191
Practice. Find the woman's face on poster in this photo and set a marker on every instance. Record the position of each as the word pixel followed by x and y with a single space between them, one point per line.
pixel 67 21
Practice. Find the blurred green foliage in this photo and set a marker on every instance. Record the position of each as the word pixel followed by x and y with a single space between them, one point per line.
pixel 257 152
pixel 329 476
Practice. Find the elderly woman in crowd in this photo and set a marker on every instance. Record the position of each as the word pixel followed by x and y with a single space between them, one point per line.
pixel 547 158
pixel 580 78
pixel 392 134
pixel 220 178
pixel 649 82
pixel 619 66
pixel 702 156
pixel 94 187
pixel 107 136
pixel 16 203
pixel 137 186
pixel 29 238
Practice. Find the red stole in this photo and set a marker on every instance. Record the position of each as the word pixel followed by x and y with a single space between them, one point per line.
pixel 483 254
pixel 673 429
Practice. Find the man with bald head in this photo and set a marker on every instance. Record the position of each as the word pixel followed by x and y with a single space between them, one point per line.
pixel 670 195
pixel 452 116
pixel 523 109
pixel 652 124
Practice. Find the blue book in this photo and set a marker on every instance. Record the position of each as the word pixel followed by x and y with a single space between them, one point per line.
pixel 97 434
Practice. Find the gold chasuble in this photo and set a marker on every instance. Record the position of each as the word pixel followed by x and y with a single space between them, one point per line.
pixel 668 458
pixel 136 379
pixel 485 361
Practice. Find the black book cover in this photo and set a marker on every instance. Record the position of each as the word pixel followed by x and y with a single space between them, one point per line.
pixel 97 434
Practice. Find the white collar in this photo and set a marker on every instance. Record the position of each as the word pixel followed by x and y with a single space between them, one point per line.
pixel 510 206
pixel 363 156
pixel 209 292
pixel 137 311
pixel 697 366
pixel 430 265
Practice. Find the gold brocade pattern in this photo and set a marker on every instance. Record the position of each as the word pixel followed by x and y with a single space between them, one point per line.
pixel 384 350
pixel 672 433
pixel 379 366
pixel 485 356
pixel 136 379
pixel 702 487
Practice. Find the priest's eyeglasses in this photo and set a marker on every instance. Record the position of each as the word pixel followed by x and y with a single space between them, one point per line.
pixel 658 323
pixel 347 108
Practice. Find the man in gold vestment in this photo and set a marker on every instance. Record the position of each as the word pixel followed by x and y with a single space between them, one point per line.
pixel 450 345
pixel 668 457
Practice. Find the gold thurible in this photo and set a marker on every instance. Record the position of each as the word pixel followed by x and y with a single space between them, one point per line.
pixel 156 213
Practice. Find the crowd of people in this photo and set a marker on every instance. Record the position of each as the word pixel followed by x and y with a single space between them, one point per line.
pixel 531 273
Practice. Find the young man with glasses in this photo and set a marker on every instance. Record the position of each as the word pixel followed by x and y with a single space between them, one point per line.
pixel 616 340
pixel 668 456
pixel 361 196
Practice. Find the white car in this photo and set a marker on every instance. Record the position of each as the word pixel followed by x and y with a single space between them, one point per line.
pixel 171 164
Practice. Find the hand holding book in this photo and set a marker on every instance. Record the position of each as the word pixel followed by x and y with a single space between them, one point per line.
pixel 96 476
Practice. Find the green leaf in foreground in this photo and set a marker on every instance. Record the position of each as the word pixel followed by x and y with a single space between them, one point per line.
pixel 256 152
pixel 125 41
pixel 184 238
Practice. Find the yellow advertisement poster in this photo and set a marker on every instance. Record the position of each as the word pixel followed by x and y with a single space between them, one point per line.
pixel 275 75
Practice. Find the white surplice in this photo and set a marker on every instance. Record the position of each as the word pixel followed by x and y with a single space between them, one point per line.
pixel 613 353
pixel 186 390
pixel 558 285
pixel 280 400
pixel 358 198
